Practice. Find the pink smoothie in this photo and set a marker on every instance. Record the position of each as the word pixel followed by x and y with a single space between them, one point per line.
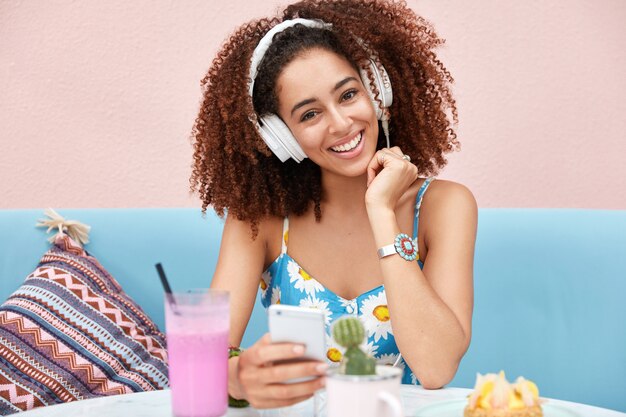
pixel 198 373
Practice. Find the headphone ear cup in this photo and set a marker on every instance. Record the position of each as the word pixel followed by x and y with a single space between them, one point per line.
pixel 271 140
pixel 383 85
pixel 279 138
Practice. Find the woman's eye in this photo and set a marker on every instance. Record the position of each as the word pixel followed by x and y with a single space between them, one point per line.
pixel 348 95
pixel 307 116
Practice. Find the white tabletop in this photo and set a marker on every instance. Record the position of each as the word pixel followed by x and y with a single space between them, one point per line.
pixel 157 404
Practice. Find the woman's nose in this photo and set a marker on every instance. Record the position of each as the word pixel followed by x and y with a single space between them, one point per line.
pixel 338 120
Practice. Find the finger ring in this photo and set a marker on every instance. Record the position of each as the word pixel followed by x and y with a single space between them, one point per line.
pixel 406 158
pixel 382 158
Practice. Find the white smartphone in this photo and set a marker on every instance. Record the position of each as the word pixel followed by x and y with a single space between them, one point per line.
pixel 299 325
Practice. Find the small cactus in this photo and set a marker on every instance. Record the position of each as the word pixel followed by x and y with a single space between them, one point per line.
pixel 349 333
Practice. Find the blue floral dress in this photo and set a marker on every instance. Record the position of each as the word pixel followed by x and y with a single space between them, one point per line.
pixel 285 282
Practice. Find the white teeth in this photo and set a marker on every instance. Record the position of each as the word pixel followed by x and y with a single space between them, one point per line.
pixel 348 146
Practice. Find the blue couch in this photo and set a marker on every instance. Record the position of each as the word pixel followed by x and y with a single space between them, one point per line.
pixel 550 286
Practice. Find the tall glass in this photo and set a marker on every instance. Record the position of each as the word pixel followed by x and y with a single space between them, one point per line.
pixel 197 324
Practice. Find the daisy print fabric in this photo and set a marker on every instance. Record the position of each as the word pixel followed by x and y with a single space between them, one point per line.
pixel 371 308
pixel 301 280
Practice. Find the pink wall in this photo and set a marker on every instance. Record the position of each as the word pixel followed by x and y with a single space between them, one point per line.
pixel 97 99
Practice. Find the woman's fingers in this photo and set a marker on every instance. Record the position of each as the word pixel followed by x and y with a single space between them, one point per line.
pixel 295 390
pixel 268 386
pixel 375 166
pixel 265 368
pixel 396 151
pixel 264 352
pixel 284 372
pixel 382 159
pixel 281 395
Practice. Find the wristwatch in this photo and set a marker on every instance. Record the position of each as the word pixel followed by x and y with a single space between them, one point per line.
pixel 403 245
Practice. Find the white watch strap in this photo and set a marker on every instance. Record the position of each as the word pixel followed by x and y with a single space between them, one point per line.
pixel 387 250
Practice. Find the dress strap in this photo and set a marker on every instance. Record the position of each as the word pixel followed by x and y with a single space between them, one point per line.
pixel 285 236
pixel 418 204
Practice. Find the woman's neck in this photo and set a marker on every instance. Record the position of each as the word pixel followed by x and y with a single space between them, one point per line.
pixel 344 192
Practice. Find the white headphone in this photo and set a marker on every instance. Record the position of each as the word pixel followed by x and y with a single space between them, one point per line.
pixel 274 131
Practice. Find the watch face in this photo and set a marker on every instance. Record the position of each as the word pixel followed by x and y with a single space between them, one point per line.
pixel 406 247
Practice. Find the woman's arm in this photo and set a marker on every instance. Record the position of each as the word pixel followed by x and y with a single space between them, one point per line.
pixel 239 269
pixel 253 375
pixel 431 310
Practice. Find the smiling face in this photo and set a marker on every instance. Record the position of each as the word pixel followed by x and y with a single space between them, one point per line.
pixel 323 102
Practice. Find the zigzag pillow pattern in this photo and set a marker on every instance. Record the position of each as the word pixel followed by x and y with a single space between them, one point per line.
pixel 70 333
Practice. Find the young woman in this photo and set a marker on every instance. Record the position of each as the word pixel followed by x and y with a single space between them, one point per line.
pixel 318 136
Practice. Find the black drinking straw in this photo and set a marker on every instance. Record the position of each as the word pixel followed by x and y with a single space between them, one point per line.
pixel 166 286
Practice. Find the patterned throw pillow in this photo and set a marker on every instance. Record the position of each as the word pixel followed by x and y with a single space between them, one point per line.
pixel 70 333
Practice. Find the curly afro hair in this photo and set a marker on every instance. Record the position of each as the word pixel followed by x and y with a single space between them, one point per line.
pixel 235 171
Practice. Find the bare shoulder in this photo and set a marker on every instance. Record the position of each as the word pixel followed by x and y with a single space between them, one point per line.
pixel 242 230
pixel 448 206
pixel 266 243
pixel 443 195
pixel 271 230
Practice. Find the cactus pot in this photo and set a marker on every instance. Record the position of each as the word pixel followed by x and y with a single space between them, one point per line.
pixel 364 395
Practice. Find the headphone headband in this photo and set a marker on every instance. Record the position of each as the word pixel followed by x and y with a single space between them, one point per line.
pixel 266 41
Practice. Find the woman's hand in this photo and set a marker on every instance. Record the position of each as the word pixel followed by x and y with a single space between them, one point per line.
pixel 263 382
pixel 389 174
